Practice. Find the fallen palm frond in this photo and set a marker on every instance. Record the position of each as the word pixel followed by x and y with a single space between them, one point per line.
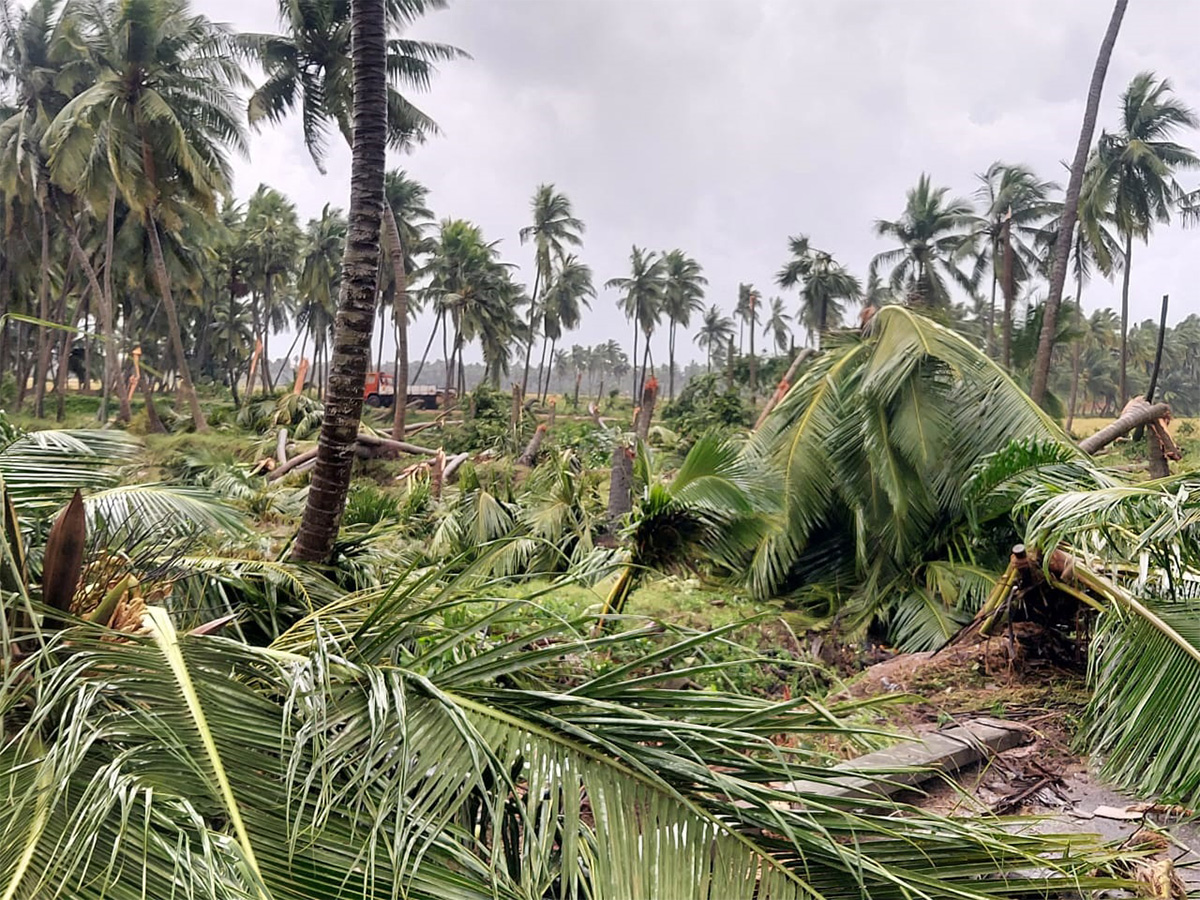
pixel 42 469
pixel 1136 551
pixel 449 768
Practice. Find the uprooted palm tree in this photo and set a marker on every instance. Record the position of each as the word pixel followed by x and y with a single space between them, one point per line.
pixel 873 446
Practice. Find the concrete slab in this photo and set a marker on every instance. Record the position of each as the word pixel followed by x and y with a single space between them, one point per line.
pixel 911 763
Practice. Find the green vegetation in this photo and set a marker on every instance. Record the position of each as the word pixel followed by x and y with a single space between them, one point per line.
pixel 560 641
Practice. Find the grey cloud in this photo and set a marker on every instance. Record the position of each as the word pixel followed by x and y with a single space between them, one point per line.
pixel 723 126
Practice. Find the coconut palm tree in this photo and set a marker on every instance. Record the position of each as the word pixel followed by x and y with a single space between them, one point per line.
pixel 716 330
pixel 824 285
pixel 935 238
pixel 1062 248
pixel 777 325
pixel 875 443
pixel 1139 162
pixel 360 281
pixel 160 114
pixel 319 282
pixel 554 229
pixel 683 295
pixel 272 244
pixel 309 65
pixel 641 301
pixel 1016 206
pixel 749 301
pixel 406 198
pixel 563 301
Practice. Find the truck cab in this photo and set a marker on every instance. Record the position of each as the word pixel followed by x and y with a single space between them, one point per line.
pixel 379 389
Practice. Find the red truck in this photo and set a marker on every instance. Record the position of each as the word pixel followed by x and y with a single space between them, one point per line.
pixel 380 390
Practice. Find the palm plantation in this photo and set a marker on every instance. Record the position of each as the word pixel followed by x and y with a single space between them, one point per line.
pixel 257 640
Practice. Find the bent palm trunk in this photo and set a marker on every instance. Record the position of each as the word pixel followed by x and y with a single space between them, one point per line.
pixel 356 305
pixel 1066 225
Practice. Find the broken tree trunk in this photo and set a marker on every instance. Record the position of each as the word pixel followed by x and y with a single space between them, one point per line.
pixel 155 425
pixel 436 474
pixel 530 454
pixel 281 447
pixel 452 465
pixel 646 410
pixel 1136 412
pixel 620 485
pixel 785 384
pixel 292 464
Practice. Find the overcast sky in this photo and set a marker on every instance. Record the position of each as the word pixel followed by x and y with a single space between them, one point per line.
pixel 722 126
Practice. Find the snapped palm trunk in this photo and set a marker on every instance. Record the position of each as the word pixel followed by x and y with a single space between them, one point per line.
pixel 356 303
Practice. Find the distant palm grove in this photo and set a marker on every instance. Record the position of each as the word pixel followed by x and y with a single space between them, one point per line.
pixel 127 263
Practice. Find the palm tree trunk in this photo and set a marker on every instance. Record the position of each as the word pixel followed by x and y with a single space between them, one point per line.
pixel 267 381
pixel 1066 225
pixel 537 276
pixel 671 361
pixel 1076 353
pixel 42 369
pixel 1007 325
pixel 542 366
pixel 400 318
pixel 175 333
pixel 633 359
pixel 550 371
pixel 356 305
pixel 753 361
pixel 991 324
pixel 1122 383
pixel 105 298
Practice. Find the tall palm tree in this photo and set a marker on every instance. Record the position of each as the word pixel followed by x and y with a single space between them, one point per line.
pixel 319 282
pixel 356 301
pixel 683 295
pixel 161 114
pixel 777 325
pixel 641 301
pixel 716 330
pixel 747 310
pixel 406 200
pixel 934 236
pixel 1139 163
pixel 31 64
pixel 1016 206
pixel 554 228
pixel 272 244
pixel 308 66
pixel 563 302
pixel 824 285
pixel 1062 247
pixel 472 294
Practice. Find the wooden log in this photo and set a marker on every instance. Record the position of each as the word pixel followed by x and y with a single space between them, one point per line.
pixel 281 446
pixel 292 464
pixel 1136 412
pixel 530 454
pixel 370 440
pixel 453 464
